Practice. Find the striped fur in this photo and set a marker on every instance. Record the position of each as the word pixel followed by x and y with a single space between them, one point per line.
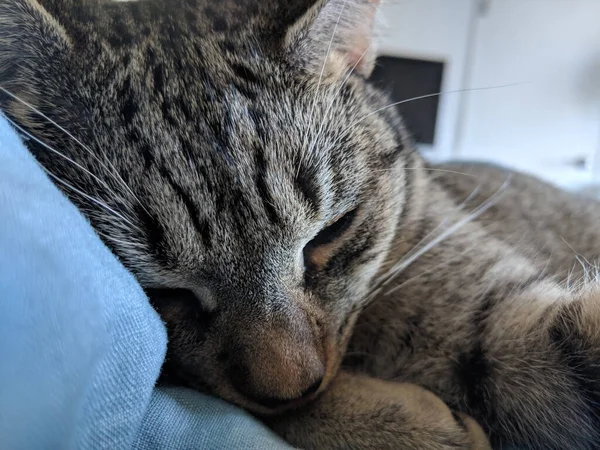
pixel 234 158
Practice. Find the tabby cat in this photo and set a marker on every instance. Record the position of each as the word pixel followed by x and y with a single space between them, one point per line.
pixel 309 265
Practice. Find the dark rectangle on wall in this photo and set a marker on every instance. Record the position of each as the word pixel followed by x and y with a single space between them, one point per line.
pixel 405 79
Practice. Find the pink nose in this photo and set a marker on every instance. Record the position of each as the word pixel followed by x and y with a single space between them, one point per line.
pixel 275 371
pixel 276 379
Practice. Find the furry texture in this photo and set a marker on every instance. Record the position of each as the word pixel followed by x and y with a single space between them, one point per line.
pixel 234 158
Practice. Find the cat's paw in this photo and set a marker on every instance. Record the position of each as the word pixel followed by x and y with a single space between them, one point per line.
pixel 366 413
pixel 477 438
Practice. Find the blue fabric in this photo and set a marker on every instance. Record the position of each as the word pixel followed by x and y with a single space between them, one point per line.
pixel 80 347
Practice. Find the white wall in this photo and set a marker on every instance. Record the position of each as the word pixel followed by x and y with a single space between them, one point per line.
pixel 545 125
pixel 435 30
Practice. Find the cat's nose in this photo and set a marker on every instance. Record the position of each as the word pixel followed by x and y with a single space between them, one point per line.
pixel 275 385
pixel 278 369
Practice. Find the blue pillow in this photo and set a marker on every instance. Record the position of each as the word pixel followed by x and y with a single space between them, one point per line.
pixel 80 346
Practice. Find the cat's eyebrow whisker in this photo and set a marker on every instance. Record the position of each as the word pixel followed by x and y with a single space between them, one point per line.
pixel 316 96
pixel 335 97
pixel 433 169
pixel 429 169
pixel 113 171
pixel 436 94
pixel 344 132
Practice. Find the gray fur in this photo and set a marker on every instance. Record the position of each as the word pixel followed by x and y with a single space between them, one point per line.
pixel 233 157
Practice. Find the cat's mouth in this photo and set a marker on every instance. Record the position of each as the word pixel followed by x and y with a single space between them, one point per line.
pixel 274 407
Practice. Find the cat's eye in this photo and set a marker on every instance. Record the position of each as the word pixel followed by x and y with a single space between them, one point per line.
pixel 313 257
pixel 160 296
pixel 179 305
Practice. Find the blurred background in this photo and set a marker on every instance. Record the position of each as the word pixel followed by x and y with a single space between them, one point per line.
pixel 521 81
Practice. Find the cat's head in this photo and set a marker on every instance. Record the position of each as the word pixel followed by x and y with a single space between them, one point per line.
pixel 233 157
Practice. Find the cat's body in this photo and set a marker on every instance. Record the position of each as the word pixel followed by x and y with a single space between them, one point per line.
pixel 233 157
pixel 473 319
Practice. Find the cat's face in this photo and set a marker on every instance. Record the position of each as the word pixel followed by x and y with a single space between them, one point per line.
pixel 278 244
pixel 247 178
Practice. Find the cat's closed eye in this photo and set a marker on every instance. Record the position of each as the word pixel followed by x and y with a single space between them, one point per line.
pixel 181 305
pixel 315 254
pixel 160 297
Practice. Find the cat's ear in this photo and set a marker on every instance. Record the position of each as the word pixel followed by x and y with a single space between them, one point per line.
pixel 33 46
pixel 334 37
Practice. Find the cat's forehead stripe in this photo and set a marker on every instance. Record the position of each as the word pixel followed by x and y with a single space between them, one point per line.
pixel 307 183
pixel 262 186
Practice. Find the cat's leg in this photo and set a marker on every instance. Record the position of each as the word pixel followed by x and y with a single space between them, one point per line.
pixel 365 413
pixel 533 378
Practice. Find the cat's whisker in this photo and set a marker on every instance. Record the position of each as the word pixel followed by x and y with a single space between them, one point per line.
pixel 53 150
pixel 123 244
pixel 371 298
pixel 438 94
pixel 69 186
pixel 470 197
pixel 458 225
pixel 423 97
pixel 413 250
pixel 113 171
pixel 433 268
pixel 405 262
pixel 418 244
pixel 90 198
pixel 577 254
pixel 436 266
